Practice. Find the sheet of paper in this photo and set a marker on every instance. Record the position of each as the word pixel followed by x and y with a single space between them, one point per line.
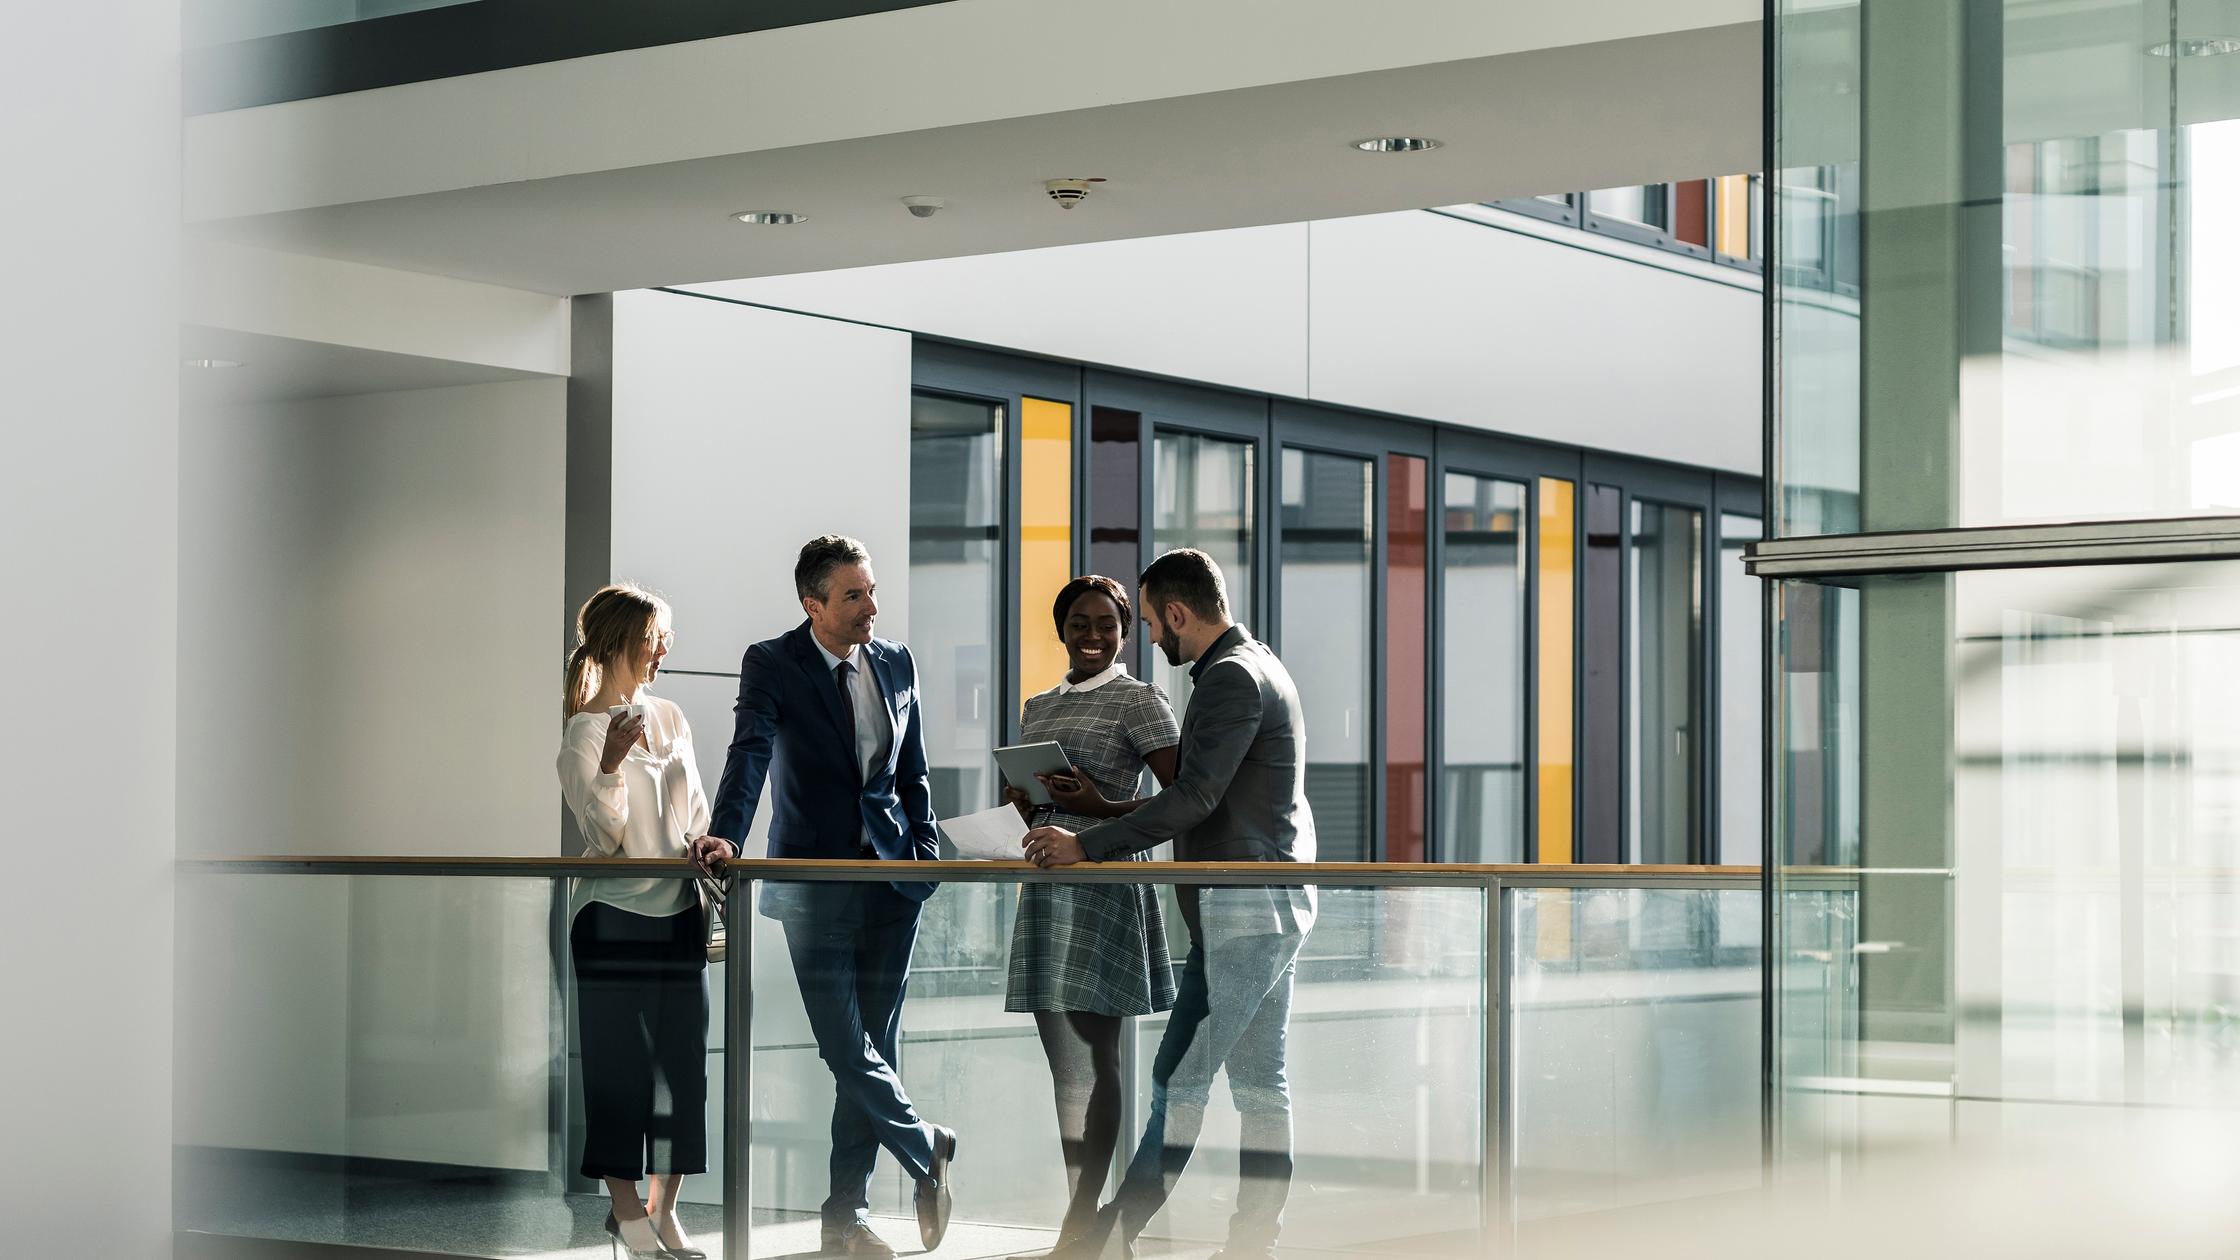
pixel 990 835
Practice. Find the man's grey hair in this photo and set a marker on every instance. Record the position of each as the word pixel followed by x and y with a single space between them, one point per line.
pixel 819 557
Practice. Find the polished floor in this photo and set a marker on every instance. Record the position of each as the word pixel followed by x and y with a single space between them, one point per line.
pixel 471 1214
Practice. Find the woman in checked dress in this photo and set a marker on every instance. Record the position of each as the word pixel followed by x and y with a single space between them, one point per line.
pixel 1084 957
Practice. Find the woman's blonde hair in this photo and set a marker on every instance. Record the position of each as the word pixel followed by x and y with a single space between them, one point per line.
pixel 610 627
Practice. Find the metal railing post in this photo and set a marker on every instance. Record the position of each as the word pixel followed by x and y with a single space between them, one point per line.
pixel 1491 1214
pixel 738 1064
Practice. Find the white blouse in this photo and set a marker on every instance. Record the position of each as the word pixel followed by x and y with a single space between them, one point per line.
pixel 648 808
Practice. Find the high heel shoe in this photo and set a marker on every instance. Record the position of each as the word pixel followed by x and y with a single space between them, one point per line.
pixel 618 1241
pixel 683 1251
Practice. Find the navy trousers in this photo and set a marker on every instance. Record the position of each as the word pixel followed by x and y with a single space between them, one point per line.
pixel 851 948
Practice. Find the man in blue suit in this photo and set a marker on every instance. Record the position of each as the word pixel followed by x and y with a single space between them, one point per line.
pixel 828 717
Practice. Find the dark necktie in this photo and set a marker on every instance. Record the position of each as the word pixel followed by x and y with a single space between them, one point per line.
pixel 841 675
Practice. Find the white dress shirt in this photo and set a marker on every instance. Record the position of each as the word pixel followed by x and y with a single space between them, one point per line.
pixel 650 807
pixel 873 723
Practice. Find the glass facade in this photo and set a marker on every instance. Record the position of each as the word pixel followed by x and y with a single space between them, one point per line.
pixel 2006 293
pixel 1508 652
pixel 1740 697
pixel 1203 496
pixel 1722 219
pixel 1664 650
pixel 1483 582
pixel 957 493
pixel 1329 611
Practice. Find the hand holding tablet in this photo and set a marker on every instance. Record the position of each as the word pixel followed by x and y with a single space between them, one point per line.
pixel 1020 764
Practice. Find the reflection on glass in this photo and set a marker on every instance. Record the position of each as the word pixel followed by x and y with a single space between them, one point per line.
pixel 1115 508
pixel 1736 196
pixel 2077 356
pixel 1644 204
pixel 1482 721
pixel 1201 496
pixel 1633 1046
pixel 1329 600
pixel 1664 683
pixel 1558 561
pixel 956 578
pixel 1741 695
pixel 1384 1060
pixel 1381 1053
pixel 2043 792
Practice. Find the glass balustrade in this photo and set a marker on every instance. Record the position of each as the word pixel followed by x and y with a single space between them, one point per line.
pixel 388 1054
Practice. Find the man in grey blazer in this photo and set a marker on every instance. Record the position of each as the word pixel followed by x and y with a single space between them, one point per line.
pixel 1239 795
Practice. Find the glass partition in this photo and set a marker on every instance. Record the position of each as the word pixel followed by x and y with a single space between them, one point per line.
pixel 1664 638
pixel 2006 250
pixel 1741 700
pixel 1202 497
pixel 1380 1039
pixel 1484 647
pixel 956 584
pixel 400 1060
pixel 2035 814
pixel 1329 605
pixel 1633 1019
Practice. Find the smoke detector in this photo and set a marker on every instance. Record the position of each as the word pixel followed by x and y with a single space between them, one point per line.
pixel 1069 193
pixel 924 207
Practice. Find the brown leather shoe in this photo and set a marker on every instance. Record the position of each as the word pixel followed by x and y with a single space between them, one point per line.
pixel 855 1239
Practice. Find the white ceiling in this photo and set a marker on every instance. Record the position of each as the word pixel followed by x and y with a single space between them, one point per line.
pixel 1677 104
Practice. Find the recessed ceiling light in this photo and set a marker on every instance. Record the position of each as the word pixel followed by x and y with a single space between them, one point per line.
pixel 2207 46
pixel 1396 144
pixel 213 363
pixel 770 218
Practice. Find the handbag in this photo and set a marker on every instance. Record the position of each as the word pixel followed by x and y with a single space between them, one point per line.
pixel 713 905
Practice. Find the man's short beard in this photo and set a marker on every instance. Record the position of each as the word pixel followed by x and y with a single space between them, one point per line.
pixel 1170 643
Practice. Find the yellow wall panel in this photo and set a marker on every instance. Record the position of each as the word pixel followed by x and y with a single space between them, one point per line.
pixel 1558 548
pixel 1045 537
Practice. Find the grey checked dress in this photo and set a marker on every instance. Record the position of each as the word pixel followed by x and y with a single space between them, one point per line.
pixel 1095 947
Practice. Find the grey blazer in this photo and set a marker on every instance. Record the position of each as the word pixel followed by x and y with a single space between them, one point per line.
pixel 1239 792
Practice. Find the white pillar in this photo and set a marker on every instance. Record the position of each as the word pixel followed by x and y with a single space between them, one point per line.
pixel 88 506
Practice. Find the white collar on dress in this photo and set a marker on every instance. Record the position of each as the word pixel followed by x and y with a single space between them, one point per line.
pixel 1117 669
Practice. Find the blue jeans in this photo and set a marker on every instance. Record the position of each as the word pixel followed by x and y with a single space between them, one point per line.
pixel 852 961
pixel 1232 1010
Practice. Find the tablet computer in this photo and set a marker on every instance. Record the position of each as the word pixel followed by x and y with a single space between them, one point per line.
pixel 1020 764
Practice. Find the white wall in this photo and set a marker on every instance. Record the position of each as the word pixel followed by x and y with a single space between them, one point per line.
pixel 1418 314
pixel 88 504
pixel 370 590
pixel 740 434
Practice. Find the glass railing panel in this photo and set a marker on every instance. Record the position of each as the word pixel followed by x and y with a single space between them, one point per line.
pixel 399 1061
pixel 396 1061
pixel 1382 1053
pixel 1633 1026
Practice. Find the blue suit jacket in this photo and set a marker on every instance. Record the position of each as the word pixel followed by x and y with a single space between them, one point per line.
pixel 792 735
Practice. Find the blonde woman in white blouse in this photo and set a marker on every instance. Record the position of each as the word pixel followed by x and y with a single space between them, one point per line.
pixel 639 945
